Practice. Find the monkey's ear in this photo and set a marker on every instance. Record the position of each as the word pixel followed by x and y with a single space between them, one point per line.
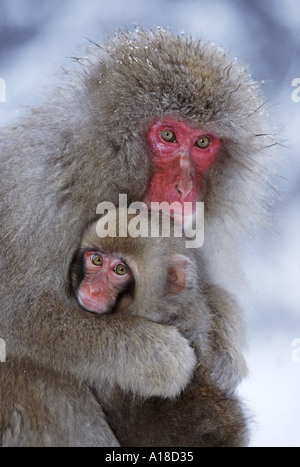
pixel 177 274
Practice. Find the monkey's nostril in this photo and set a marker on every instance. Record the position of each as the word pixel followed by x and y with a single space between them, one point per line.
pixel 178 190
pixel 95 289
pixel 184 189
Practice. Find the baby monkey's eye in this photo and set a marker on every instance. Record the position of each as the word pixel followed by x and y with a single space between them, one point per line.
pixel 121 269
pixel 97 260
pixel 168 135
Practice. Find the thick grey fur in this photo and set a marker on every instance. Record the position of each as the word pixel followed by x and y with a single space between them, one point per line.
pixel 86 144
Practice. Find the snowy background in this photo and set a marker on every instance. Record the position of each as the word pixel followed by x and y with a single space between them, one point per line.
pixel 36 39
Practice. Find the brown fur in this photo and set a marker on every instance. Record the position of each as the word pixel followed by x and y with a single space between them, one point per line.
pixel 201 417
pixel 48 409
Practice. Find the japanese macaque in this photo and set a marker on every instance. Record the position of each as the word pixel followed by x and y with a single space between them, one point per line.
pixel 154 277
pixel 99 278
pixel 160 279
pixel 106 278
pixel 156 117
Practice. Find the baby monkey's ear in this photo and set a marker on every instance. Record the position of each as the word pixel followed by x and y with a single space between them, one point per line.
pixel 180 267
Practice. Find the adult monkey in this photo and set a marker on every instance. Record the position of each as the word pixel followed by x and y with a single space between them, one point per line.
pixel 90 141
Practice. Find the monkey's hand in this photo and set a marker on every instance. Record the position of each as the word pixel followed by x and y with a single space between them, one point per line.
pixel 228 370
pixel 151 359
pixel 129 351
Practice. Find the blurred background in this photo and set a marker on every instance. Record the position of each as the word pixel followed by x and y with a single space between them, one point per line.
pixel 37 38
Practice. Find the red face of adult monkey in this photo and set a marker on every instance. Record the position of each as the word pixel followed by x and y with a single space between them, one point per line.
pixel 181 154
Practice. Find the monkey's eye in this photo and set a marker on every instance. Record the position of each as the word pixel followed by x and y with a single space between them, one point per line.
pixel 121 269
pixel 203 143
pixel 168 135
pixel 97 260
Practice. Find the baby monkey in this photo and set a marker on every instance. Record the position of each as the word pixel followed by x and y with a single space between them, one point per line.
pixel 158 278
pixel 104 278
pixel 133 275
pixel 161 280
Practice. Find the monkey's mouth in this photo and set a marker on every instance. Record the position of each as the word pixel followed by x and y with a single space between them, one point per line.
pixel 93 306
pixel 179 211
